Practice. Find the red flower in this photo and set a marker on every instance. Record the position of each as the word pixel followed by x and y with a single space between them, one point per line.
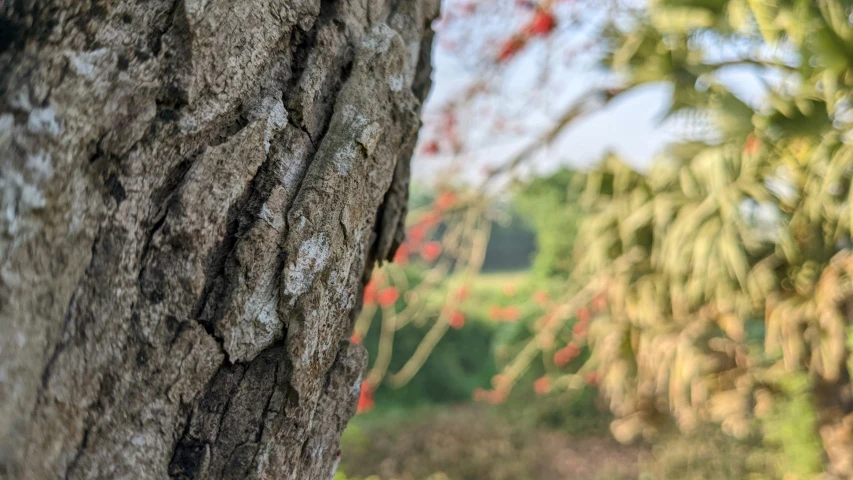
pixel 355 338
pixel 401 257
pixel 510 48
pixel 370 293
pixel 501 381
pixel 417 234
pixel 510 314
pixel 541 297
pixel 566 354
pixel 572 349
pixel 480 394
pixel 541 24
pixel 580 329
pixel 470 7
pixel 463 293
pixel 599 303
pixel 457 320
pixel 490 396
pixel 431 219
pixel 752 145
pixel 496 397
pixel 365 398
pixel 592 379
pixel 445 200
pixel 430 148
pixel 431 251
pixel 583 314
pixel 542 385
pixel 388 296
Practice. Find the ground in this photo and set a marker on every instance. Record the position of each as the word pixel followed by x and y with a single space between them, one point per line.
pixel 473 441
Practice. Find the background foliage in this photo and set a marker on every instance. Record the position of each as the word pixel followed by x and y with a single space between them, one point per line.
pixel 707 297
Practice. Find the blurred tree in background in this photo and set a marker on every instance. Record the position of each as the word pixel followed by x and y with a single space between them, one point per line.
pixel 738 237
pixel 711 292
pixel 550 204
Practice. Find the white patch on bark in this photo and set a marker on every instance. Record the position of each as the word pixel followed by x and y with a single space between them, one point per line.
pixel 335 464
pixel 337 285
pixel 22 100
pixel 370 137
pixel 311 259
pixel 364 131
pixel 258 329
pixel 344 158
pixel 10 277
pixel 40 165
pixel 195 9
pixel 353 117
pixel 273 220
pixel 395 82
pixel 83 63
pixel 43 120
pixel 276 116
pixel 263 460
pixel 381 42
pixel 355 389
pixel 31 197
pixel 276 121
pixel 18 197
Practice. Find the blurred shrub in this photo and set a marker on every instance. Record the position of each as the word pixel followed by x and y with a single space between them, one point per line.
pixel 704 454
pixel 578 413
pixel 499 310
pixel 785 447
pixel 791 447
pixel 513 239
pixel 512 245
pixel 738 299
pixel 549 204
pixel 461 362
pixel 747 221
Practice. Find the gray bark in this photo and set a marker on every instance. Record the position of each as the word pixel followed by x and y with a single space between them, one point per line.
pixel 193 194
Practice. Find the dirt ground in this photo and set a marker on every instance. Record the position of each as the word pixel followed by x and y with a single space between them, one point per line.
pixel 471 442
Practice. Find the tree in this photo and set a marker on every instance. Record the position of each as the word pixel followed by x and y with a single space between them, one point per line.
pixel 551 205
pixel 194 194
pixel 724 271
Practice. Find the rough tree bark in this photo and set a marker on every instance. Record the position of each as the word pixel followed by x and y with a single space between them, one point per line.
pixel 193 194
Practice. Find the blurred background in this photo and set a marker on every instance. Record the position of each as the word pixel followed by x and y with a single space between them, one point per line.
pixel 629 249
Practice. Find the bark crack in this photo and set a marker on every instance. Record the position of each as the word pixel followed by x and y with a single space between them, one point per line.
pixel 66 323
pixel 84 442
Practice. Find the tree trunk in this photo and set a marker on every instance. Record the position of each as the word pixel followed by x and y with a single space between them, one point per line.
pixel 193 194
